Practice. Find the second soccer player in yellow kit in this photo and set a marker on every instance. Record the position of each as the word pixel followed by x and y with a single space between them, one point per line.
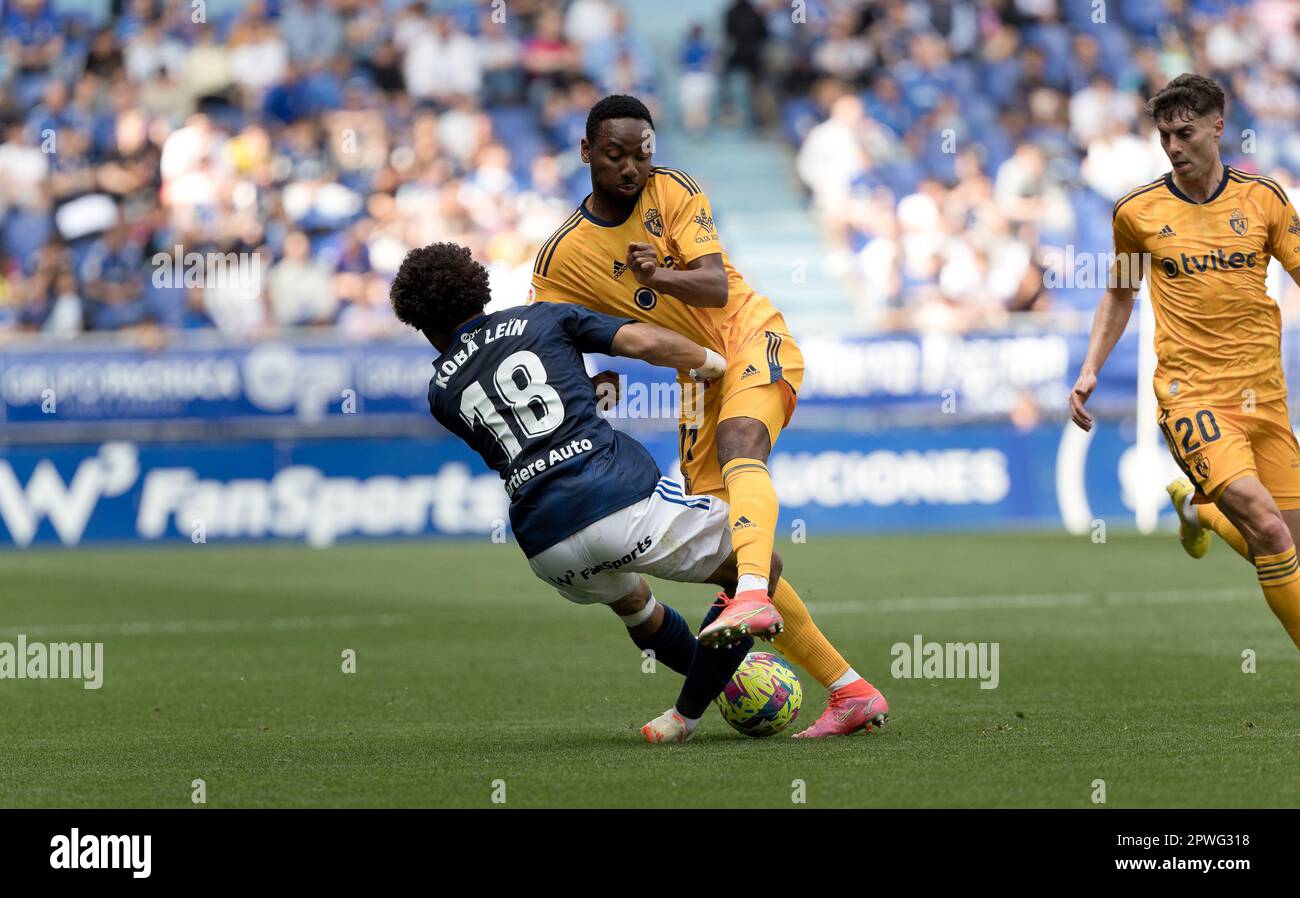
pixel 644 245
pixel 1210 231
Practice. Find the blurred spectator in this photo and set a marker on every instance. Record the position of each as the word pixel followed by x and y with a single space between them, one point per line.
pixel 589 21
pixel 1027 192
pixel 844 53
pixel 259 56
pixel 499 51
pixel 313 31
pixel 32 46
pixel 23 172
pixel 300 290
pixel 440 60
pixel 111 275
pixel 747 35
pixel 549 59
pixel 833 155
pixel 620 62
pixel 697 82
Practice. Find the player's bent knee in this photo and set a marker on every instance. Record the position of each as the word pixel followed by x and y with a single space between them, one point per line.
pixel 742 438
pixel 1271 534
pixel 632 602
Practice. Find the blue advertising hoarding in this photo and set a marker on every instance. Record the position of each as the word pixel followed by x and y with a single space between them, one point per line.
pixel 322 491
pixel 966 376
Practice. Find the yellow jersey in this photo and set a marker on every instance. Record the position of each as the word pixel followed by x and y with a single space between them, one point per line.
pixel 584 262
pixel 1218 334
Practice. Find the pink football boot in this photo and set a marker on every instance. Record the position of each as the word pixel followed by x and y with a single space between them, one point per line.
pixel 856 706
pixel 750 613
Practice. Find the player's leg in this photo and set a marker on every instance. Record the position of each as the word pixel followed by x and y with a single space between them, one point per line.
pixel 1292 518
pixel 675 537
pixel 1242 460
pixel 1198 518
pixel 699 552
pixel 756 402
pixel 659 630
pixel 1277 458
pixel 569 566
pixel 1209 516
pixel 702 552
pixel 579 567
pixel 655 628
pixel 743 447
pixel 854 703
pixel 1248 505
pixel 711 668
pixel 800 641
pixel 751 416
pixel 744 444
pixel 1212 447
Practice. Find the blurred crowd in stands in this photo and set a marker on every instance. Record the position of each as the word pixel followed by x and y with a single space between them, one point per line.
pixel 322 138
pixel 955 150
pixel 947 145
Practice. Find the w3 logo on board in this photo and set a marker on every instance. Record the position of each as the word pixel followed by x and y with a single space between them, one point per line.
pixel 654 223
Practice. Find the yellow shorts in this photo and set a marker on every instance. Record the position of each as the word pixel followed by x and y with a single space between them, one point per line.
pixel 762 382
pixel 1215 446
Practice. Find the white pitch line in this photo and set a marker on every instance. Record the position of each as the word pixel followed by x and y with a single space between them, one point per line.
pixel 185 627
pixel 1033 600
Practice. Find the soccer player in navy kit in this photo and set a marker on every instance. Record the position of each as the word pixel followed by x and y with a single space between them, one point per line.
pixel 587 504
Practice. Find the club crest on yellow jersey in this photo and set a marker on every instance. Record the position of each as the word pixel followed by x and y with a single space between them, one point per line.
pixel 1237 221
pixel 1201 464
pixel 654 222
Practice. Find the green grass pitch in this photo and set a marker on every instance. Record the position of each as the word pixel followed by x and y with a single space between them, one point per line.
pixel 1120 662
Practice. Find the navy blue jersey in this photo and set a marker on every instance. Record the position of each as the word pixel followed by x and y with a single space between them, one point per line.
pixel 513 386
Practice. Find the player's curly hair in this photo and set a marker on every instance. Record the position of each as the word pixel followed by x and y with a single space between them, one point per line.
pixel 615 106
pixel 1187 96
pixel 437 287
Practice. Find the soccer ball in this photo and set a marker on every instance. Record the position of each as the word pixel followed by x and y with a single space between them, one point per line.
pixel 763 697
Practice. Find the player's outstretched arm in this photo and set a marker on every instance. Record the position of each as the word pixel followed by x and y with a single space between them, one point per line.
pixel 1108 325
pixel 669 349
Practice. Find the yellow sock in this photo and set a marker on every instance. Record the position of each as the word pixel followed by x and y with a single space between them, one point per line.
pixel 753 515
pixel 802 642
pixel 1209 516
pixel 1279 577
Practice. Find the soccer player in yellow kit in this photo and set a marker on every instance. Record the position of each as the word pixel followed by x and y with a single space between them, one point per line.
pixel 1210 231
pixel 643 244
